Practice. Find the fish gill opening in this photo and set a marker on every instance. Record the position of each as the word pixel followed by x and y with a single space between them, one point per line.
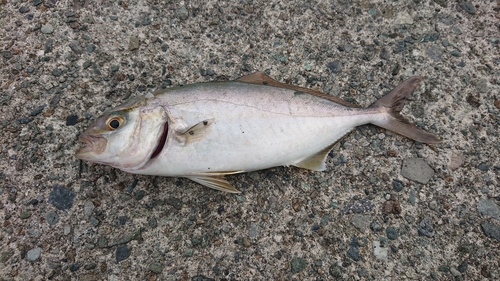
pixel 161 143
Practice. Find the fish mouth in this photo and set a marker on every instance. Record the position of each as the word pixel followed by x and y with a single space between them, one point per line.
pixel 90 144
pixel 161 142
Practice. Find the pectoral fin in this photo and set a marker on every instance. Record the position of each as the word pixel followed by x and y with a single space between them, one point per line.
pixel 215 182
pixel 198 131
pixel 316 162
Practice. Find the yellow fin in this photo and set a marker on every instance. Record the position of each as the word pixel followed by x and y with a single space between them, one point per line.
pixel 215 182
pixel 316 162
pixel 260 78
pixel 198 131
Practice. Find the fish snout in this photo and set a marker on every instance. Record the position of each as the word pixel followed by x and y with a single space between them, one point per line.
pixel 90 145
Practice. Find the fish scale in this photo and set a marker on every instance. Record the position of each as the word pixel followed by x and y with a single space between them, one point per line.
pixel 207 130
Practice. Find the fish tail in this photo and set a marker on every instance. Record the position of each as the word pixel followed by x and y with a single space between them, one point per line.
pixel 392 104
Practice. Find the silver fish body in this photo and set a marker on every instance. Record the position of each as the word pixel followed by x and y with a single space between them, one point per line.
pixel 207 130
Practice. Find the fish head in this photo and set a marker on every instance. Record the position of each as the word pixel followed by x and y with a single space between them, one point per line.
pixel 126 137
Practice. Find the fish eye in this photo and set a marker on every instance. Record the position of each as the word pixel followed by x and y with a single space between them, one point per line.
pixel 115 122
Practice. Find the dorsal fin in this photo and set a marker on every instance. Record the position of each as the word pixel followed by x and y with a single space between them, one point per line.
pixel 260 78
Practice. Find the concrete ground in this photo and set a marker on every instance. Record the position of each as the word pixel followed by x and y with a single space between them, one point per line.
pixel 386 208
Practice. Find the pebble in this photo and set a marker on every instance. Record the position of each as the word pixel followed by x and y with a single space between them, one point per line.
pixel 94 221
pixel 122 253
pixel 133 43
pixel 25 120
pixel 463 267
pixel 71 120
pixel 454 271
pixel 66 229
pixel 38 110
pixel 443 268
pixel 429 37
pixel 334 66
pixel 457 159
pixel 7 54
pixel 491 230
pixel 353 251
pixel 483 167
pixel 188 253
pixel 297 264
pixel 456 53
pixel 361 222
pixel 90 48
pixel 88 208
pixel 468 7
pixel 33 254
pixel 90 266
pixel 489 208
pixel 182 13
pixel 56 72
pixel 102 242
pixel 25 215
pixel 47 28
pixel 336 271
pixel 425 227
pixel 24 9
pixel 308 65
pixel 296 204
pixel 398 185
pixel 482 85
pixel 174 202
pixel 52 218
pixel 379 251
pixel 136 235
pixel 146 21
pixel 277 238
pixel 412 199
pixel 253 232
pixel 6 255
pixel 435 53
pixel 391 207
pixel 456 30
pixel 375 226
pixel 403 18
pixel 74 267
pixel 75 47
pixel 391 233
pixel 139 194
pixel 156 267
pixel 61 197
pixel 416 169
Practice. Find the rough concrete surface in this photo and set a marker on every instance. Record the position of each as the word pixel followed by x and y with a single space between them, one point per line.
pixel 65 62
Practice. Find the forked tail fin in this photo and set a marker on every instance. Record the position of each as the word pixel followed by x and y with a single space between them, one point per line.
pixel 393 102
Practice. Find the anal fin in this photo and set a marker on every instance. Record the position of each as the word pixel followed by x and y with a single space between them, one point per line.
pixel 316 162
pixel 217 182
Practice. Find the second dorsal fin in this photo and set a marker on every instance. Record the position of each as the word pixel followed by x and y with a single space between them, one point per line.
pixel 260 78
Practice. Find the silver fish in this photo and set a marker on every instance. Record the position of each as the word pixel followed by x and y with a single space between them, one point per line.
pixel 205 131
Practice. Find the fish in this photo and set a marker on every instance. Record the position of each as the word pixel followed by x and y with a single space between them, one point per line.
pixel 205 131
